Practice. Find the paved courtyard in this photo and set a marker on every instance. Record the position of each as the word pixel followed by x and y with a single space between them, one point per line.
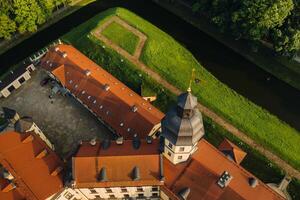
pixel 62 119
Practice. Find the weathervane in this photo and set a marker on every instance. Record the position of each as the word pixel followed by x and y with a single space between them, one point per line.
pixel 192 78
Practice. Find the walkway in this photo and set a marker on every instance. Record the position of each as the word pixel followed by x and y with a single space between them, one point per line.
pixel 206 111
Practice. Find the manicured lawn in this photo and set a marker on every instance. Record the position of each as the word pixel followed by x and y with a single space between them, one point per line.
pixel 121 36
pixel 163 54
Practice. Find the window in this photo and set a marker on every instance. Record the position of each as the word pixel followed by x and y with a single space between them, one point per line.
pixel 11 88
pixel 139 189
pixel 108 190
pixel 123 190
pixel 169 153
pixel 140 195
pixel 21 80
pixel 112 196
pixel 68 195
pixel 126 195
pixel 181 149
pixel 179 157
pixel 155 194
pixel 93 191
pixel 170 145
pixel 154 189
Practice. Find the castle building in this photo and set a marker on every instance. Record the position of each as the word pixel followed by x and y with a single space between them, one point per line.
pixel 122 110
pixel 179 165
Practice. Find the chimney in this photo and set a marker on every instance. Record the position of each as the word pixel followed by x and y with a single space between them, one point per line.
pixel 149 139
pixel 42 154
pixel 106 87
pixel 136 173
pixel 27 139
pixel 56 49
pixel 56 171
pixel 9 187
pixel 184 193
pixel 87 72
pixel 102 175
pixel 224 180
pixel 7 175
pixel 64 55
pixel 120 140
pixel 136 143
pixel 93 142
pixel 253 182
pixel 134 108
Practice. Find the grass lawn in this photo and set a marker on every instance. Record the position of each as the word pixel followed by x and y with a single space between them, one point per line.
pixel 172 61
pixel 121 36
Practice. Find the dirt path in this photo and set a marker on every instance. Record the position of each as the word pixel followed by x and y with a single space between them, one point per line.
pixel 206 111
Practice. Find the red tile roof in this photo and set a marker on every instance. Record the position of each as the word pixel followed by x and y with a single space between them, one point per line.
pixel 237 153
pixel 32 175
pixel 202 172
pixel 87 81
pixel 119 162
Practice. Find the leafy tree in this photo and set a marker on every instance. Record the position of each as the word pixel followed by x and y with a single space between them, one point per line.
pixel 7 26
pixel 254 18
pixel 47 6
pixel 28 15
pixel 286 38
pixel 5 6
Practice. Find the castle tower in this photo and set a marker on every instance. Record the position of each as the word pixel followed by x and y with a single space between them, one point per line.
pixel 182 128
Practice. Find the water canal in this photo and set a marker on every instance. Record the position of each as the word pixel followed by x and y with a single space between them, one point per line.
pixel 232 69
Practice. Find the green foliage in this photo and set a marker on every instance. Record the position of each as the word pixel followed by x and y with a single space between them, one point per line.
pixel 28 15
pixel 173 62
pixel 7 26
pixel 25 15
pixel 294 189
pixel 121 36
pixel 286 38
pixel 254 19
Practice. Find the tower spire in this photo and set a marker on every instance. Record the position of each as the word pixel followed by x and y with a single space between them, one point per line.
pixel 191 80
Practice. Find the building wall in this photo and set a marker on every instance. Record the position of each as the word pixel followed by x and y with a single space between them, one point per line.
pixel 38 131
pixel 68 194
pixel 16 84
pixel 121 192
pixel 178 154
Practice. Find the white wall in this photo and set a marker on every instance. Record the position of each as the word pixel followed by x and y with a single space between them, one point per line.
pixel 38 131
pixel 178 154
pixel 93 193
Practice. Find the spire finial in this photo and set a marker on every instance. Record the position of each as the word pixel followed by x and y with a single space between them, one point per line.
pixel 192 78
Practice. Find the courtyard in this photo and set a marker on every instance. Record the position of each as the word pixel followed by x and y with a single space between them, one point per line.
pixel 62 118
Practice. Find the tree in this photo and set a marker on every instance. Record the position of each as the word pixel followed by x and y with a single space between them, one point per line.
pixel 7 26
pixel 286 38
pixel 254 18
pixel 47 6
pixel 28 15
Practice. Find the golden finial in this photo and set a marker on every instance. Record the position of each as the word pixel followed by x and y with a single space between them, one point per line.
pixel 191 80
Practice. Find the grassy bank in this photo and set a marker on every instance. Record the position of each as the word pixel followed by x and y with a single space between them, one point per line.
pixel 281 67
pixel 173 62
